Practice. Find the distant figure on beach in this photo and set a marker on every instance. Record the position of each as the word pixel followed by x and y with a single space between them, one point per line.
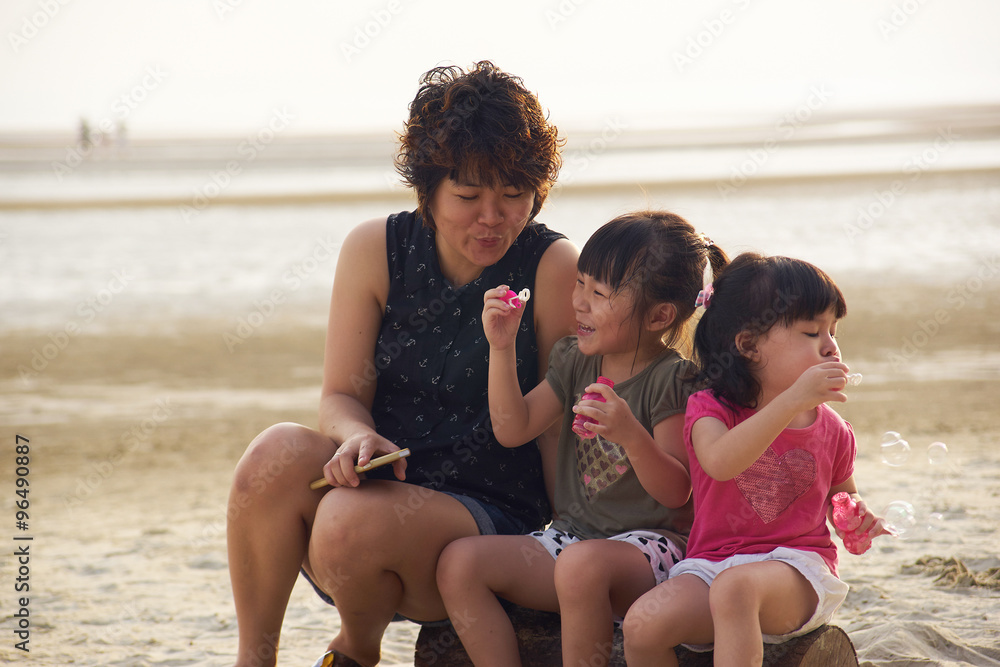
pixel 84 138
pixel 767 455
pixel 406 365
pixel 622 488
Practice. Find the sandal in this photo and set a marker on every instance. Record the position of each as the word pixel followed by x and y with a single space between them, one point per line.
pixel 335 659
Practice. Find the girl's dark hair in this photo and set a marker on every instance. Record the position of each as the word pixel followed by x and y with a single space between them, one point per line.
pixel 751 295
pixel 481 126
pixel 660 256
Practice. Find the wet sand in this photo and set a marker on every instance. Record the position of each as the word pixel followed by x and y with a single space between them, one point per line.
pixel 134 436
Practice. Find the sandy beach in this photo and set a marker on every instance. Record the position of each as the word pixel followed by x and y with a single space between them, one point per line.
pixel 133 437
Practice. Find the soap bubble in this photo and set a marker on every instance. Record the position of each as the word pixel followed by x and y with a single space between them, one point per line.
pixel 935 522
pixel 937 453
pixel 900 517
pixel 854 379
pixel 895 450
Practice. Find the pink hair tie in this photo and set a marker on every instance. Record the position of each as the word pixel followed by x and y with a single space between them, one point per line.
pixel 704 296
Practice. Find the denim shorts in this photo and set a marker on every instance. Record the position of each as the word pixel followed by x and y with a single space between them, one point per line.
pixel 490 519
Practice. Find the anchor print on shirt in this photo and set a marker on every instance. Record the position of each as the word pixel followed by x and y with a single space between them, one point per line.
pixel 600 463
pixel 774 482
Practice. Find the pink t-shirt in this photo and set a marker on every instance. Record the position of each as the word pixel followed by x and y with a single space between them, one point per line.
pixel 780 500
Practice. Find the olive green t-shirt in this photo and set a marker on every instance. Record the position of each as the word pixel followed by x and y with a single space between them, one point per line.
pixel 597 493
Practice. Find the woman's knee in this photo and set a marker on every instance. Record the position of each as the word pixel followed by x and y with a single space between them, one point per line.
pixel 274 454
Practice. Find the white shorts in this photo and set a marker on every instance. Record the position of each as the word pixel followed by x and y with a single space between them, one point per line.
pixel 830 590
pixel 661 553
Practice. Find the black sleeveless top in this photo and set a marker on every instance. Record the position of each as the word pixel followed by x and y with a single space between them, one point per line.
pixel 432 364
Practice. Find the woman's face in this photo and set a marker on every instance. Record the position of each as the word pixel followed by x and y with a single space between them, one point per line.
pixel 476 225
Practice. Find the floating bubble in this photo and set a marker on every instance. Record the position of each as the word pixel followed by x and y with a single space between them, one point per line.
pixel 935 522
pixel 900 517
pixel 937 453
pixel 854 379
pixel 895 450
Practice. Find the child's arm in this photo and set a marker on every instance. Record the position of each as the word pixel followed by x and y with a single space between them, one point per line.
pixel 516 418
pixel 725 453
pixel 659 460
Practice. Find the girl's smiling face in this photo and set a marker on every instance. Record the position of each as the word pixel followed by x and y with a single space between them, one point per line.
pixel 604 322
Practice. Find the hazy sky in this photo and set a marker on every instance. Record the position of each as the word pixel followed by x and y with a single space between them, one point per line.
pixel 210 66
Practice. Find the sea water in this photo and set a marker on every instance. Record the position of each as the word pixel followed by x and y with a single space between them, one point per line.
pixel 186 238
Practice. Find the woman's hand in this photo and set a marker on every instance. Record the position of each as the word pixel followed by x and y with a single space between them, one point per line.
pixel 500 320
pixel 359 450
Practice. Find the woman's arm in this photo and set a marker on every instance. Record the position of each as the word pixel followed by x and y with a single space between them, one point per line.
pixel 554 319
pixel 360 290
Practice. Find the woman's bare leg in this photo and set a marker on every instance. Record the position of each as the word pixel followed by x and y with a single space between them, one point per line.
pixel 374 549
pixel 270 514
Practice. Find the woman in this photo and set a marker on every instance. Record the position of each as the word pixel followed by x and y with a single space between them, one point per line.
pixel 406 365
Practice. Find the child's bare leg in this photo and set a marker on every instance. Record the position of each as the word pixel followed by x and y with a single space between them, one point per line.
pixel 271 509
pixel 675 612
pixel 597 580
pixel 770 597
pixel 471 574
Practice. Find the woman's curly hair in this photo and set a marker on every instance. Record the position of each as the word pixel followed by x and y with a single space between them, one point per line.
pixel 480 126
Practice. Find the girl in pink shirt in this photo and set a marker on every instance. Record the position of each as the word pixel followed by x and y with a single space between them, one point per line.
pixel 766 456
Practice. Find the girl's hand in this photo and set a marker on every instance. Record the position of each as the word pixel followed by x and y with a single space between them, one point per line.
pixel 871 523
pixel 500 319
pixel 359 450
pixel 616 422
pixel 819 384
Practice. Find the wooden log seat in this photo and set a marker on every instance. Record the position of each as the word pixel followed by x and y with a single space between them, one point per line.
pixel 538 637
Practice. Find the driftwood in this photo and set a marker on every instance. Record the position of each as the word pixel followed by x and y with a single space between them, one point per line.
pixel 538 637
